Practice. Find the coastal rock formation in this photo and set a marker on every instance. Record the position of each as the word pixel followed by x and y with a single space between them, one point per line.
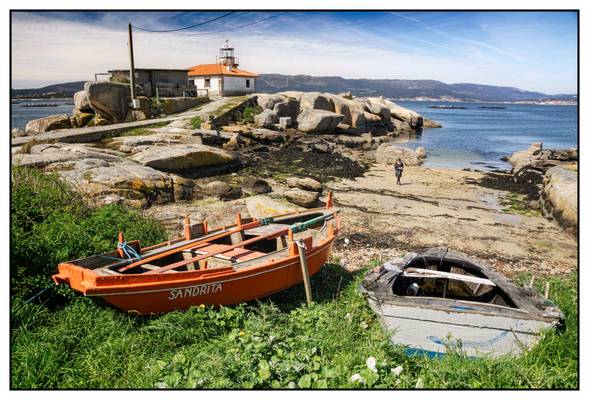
pixel 222 190
pixel 304 183
pixel 288 108
pixel 404 114
pixel 267 101
pixel 318 121
pixel 50 123
pixel 42 155
pixel 82 103
pixel 109 99
pixel 183 156
pixel 266 119
pixel 316 101
pixel 388 154
pixel 137 184
pixel 559 197
pixel 255 186
pixel 301 197
pixel 261 206
pixel 537 158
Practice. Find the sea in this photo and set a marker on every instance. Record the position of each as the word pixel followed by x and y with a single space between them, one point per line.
pixel 473 137
pixel 477 138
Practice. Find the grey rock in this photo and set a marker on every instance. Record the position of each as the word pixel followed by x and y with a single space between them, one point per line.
pixel 183 156
pixel 318 121
pixel 265 119
pixel 267 101
pixel 316 101
pixel 301 197
pixel 81 102
pixel 46 124
pixel 287 108
pixel 388 154
pixel 304 183
pixel 110 100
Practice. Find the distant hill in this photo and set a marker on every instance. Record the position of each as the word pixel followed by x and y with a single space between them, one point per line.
pixel 400 88
pixel 392 88
pixel 58 90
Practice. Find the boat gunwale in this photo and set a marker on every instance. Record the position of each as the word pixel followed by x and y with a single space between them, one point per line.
pixel 173 279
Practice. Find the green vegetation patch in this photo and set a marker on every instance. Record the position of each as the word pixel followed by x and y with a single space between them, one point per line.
pixel 51 223
pixel 250 112
pixel 196 122
pixel 144 130
pixel 515 203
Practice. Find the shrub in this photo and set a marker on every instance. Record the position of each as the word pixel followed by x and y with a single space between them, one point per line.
pixel 249 112
pixel 50 223
pixel 196 122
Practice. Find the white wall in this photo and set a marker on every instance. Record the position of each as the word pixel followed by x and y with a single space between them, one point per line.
pixel 199 83
pixel 235 85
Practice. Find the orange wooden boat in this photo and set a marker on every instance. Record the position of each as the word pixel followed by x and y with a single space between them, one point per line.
pixel 223 266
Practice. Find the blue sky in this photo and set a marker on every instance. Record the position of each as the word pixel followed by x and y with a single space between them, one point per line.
pixel 528 50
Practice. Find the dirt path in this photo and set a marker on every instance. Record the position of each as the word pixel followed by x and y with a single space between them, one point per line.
pixel 444 207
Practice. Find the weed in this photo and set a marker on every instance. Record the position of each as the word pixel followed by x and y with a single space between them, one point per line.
pixel 196 122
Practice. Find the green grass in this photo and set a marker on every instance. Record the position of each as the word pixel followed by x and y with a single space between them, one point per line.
pixel 196 122
pixel 275 343
pixel 65 340
pixel 144 130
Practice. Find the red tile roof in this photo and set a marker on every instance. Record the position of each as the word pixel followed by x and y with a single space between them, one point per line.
pixel 218 69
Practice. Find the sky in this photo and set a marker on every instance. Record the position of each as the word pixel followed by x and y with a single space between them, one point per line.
pixel 528 50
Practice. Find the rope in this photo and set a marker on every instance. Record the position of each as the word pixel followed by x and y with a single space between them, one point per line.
pixel 186 27
pixel 129 251
pixel 33 298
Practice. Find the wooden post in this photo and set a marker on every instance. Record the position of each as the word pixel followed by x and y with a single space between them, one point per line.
pixel 187 234
pixel 238 220
pixel 132 65
pixel 329 201
pixel 546 290
pixel 205 227
pixel 121 240
pixel 305 270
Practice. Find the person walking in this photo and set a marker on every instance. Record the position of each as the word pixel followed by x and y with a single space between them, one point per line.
pixel 399 170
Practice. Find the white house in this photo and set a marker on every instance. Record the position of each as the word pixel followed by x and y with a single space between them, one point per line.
pixel 223 78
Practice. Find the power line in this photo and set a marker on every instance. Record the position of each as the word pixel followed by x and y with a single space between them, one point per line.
pixel 236 27
pixel 186 27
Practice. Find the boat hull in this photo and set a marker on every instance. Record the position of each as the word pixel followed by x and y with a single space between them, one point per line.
pixel 437 331
pixel 216 288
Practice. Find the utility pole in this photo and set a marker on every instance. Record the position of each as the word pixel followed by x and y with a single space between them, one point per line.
pixel 132 70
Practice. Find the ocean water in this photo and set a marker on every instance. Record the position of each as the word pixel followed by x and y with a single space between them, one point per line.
pixel 477 138
pixel 472 138
pixel 21 115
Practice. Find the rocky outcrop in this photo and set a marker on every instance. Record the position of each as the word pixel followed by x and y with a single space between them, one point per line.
pixel 301 197
pixel 261 206
pixel 559 197
pixel 46 124
pixel 177 157
pixel 316 101
pixel 304 183
pixel 266 119
pixel 137 184
pixel 318 121
pixel 287 108
pixel 82 103
pixel 43 155
pixel 267 101
pixel 388 154
pixel 110 100
pixel 222 190
pixel 404 114
pixel 539 159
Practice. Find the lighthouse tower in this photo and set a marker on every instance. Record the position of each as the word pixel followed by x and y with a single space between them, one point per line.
pixel 227 56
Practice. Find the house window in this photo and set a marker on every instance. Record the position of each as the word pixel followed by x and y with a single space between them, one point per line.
pixel 247 83
pixel 207 83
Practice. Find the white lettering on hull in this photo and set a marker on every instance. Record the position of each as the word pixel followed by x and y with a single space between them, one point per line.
pixel 195 291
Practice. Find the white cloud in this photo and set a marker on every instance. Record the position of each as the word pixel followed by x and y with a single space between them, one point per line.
pixel 49 50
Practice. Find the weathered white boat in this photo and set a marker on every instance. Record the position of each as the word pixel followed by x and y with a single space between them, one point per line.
pixel 438 300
